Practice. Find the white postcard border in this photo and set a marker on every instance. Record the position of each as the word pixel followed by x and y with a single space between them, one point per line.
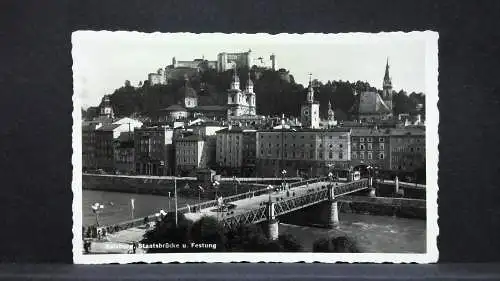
pixel 432 141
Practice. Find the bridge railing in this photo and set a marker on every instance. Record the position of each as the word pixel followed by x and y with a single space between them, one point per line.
pixel 261 179
pixel 311 181
pixel 284 206
pixel 403 184
pixel 141 177
pixel 347 187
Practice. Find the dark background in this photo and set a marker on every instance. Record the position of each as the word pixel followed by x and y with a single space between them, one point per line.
pixel 36 103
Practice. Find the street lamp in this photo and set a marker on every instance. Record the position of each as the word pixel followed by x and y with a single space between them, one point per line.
pixel 369 169
pixel 96 207
pixel 270 188
pixel 283 174
pixel 330 166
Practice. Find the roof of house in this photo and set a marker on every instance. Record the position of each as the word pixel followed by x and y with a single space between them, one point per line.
pixel 339 130
pixel 236 129
pixel 209 108
pixel 108 127
pixel 175 107
pixel 191 138
pixel 369 103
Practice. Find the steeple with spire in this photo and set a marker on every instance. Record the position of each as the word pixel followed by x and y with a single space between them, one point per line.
pixel 331 115
pixel 387 78
pixel 310 109
pixel 310 91
pixel 235 84
pixel 387 87
pixel 249 87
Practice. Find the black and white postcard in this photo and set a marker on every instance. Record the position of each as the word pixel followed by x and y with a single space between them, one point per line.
pixel 255 147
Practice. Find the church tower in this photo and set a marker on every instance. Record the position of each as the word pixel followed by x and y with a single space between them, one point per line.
pixel 309 114
pixel 236 99
pixel 106 108
pixel 387 87
pixel 331 115
pixel 250 96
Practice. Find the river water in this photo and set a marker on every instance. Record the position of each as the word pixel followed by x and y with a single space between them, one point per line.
pixel 376 234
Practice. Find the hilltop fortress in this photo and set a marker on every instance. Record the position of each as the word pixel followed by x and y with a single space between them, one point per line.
pixel 225 61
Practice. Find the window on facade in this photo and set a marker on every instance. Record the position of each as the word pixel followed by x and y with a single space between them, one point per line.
pixel 381 146
pixel 293 154
pixel 303 155
pixel 370 139
pixel 354 155
pixel 330 154
pixel 381 139
pixel 340 145
pixel 361 139
pixel 361 155
pixel 341 155
pixel 381 156
pixel 369 146
pixel 331 145
pixel 370 156
pixel 362 146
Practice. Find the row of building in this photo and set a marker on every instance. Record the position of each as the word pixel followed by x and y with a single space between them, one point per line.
pixel 127 146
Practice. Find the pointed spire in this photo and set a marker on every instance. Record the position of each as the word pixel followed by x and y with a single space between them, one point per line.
pixel 310 93
pixel 386 76
pixel 249 82
pixel 329 105
pixel 235 84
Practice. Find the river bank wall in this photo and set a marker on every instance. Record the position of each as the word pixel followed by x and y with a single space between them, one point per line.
pixel 378 206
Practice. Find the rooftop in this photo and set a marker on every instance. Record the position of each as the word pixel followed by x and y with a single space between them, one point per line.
pixel 108 127
pixel 191 138
pixel 175 107
pixel 338 130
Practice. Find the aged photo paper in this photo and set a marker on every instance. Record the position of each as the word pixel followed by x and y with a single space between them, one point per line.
pixel 241 147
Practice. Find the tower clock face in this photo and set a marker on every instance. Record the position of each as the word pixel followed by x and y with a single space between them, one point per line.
pixel 306 112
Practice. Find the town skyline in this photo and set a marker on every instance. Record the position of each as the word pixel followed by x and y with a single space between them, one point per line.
pixel 105 60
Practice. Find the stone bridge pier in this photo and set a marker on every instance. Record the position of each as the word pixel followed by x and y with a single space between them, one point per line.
pixel 330 212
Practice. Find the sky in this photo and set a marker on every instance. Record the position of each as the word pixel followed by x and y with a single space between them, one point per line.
pixel 102 61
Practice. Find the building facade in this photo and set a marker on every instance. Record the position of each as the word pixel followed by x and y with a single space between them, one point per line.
pixel 370 147
pixel 308 152
pixel 191 154
pixel 226 61
pixel 407 149
pixel 124 154
pixel 235 151
pixel 154 151
pixel 157 78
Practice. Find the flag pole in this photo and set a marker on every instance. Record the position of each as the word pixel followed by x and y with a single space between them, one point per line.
pixel 175 200
pixel 132 207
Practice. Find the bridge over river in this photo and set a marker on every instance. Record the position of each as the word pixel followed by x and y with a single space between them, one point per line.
pixel 266 204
